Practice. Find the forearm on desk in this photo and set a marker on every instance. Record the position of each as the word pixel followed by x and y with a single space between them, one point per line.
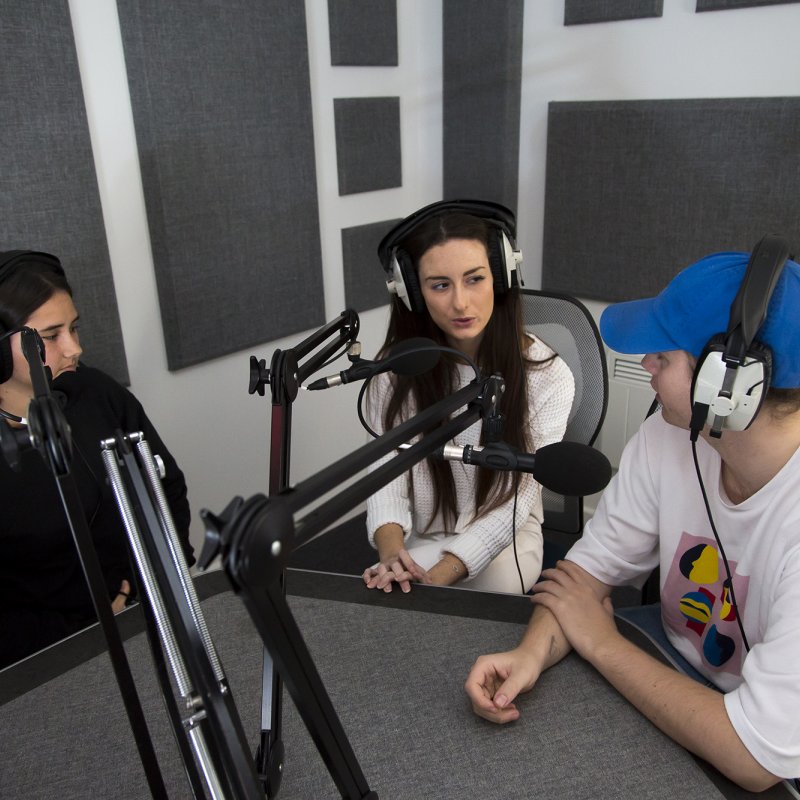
pixel 448 570
pixel 544 641
pixel 691 714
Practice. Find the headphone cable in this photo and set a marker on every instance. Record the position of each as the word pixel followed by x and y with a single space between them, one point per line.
pixel 12 417
pixel 719 544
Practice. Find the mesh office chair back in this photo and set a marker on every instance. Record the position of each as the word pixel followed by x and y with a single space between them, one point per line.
pixel 566 325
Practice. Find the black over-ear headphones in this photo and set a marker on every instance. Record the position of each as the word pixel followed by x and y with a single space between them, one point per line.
pixel 9 262
pixel 733 372
pixel 505 259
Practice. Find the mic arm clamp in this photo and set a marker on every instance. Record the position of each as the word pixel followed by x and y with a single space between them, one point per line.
pixel 286 373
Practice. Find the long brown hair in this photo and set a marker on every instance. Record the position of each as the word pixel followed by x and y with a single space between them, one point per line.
pixel 501 351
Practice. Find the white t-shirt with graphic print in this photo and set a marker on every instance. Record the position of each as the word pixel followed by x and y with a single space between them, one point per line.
pixel 652 513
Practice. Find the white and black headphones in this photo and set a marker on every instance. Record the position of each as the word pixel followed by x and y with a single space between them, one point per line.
pixel 505 260
pixel 733 373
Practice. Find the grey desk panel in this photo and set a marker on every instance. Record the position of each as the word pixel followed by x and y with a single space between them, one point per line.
pixel 395 676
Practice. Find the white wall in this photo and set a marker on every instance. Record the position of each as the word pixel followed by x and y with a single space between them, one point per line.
pixel 750 52
pixel 219 433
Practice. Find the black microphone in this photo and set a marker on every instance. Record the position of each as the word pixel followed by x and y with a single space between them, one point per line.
pixel 567 468
pixel 409 357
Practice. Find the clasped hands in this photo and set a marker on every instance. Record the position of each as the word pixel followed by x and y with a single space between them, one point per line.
pixel 399 568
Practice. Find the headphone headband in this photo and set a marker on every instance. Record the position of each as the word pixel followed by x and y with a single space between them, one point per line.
pixel 13 258
pixel 501 216
pixel 749 307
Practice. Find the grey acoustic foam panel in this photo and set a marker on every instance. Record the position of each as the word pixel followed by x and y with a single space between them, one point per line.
pixel 363 33
pixel 482 83
pixel 222 107
pixel 578 12
pixel 364 278
pixel 367 143
pixel 50 199
pixel 637 190
pixel 722 5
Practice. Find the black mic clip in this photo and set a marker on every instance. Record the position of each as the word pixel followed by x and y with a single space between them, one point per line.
pixel 493 420
pixel 498 456
pixel 493 427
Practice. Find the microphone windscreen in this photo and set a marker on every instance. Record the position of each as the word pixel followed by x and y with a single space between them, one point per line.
pixel 414 363
pixel 571 469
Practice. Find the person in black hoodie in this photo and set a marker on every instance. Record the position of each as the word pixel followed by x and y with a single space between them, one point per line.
pixel 43 592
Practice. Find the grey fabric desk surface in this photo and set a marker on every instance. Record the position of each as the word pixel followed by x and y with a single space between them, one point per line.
pixel 394 672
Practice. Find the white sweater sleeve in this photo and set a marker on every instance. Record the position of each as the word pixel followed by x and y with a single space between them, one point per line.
pixel 390 503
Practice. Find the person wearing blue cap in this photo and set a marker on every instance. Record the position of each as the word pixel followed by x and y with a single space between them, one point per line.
pixel 715 508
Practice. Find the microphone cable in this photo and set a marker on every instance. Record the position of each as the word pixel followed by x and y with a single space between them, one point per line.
pixel 396 357
pixel 514 532
pixel 729 582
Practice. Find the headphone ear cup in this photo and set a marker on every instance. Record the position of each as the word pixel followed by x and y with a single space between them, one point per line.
pixel 704 384
pixel 747 392
pixel 413 293
pixel 497 261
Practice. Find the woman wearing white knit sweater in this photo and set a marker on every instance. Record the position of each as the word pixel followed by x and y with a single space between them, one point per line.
pixel 453 270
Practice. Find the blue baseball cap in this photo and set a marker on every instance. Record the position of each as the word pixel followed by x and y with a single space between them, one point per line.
pixel 696 305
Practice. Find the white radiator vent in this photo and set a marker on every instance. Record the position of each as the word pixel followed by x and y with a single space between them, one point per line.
pixel 629 370
pixel 629 398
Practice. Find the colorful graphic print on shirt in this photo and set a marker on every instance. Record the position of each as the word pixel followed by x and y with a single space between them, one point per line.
pixel 696 603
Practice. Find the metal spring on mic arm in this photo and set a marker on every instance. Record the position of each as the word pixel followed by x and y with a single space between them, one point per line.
pixel 173 654
pixel 149 584
pixel 177 557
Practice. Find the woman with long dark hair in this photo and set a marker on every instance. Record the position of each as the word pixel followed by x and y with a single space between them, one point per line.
pixel 453 269
pixel 43 593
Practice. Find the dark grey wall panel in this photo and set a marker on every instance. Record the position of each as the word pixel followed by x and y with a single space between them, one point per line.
pixel 578 12
pixel 222 107
pixel 364 278
pixel 49 199
pixel 368 143
pixel 482 83
pixel 636 190
pixel 721 5
pixel 363 33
